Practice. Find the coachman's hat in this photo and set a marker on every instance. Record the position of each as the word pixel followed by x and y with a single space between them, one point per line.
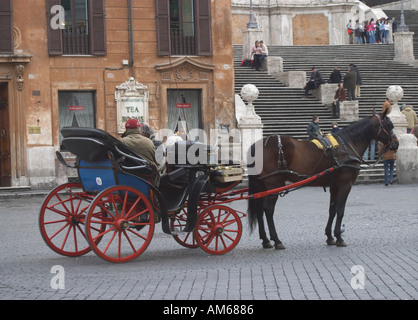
pixel 132 124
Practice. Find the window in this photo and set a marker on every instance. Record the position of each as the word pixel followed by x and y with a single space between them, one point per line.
pixel 76 29
pixel 184 110
pixel 184 27
pixel 76 109
pixel 6 27
pixel 82 32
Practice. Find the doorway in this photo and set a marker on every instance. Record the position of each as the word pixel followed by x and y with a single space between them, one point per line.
pixel 5 156
pixel 184 110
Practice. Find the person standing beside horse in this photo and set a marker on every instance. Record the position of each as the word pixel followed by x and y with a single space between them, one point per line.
pixel 388 158
pixel 387 106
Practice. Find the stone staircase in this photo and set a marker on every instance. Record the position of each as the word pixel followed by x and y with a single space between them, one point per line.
pixel 411 22
pixel 284 112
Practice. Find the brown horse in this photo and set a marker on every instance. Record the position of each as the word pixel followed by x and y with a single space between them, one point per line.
pixel 288 159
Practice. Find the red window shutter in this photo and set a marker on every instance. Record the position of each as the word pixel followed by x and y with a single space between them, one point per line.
pixel 54 35
pixel 97 28
pixel 6 27
pixel 204 32
pixel 163 27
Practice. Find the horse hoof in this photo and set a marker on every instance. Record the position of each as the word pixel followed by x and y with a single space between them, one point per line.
pixel 341 244
pixel 331 242
pixel 267 245
pixel 279 246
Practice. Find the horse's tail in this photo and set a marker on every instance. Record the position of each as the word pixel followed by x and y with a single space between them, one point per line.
pixel 255 206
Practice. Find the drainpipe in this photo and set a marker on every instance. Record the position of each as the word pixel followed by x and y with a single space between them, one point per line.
pixel 131 38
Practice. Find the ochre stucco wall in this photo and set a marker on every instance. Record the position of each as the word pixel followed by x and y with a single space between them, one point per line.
pixel 48 75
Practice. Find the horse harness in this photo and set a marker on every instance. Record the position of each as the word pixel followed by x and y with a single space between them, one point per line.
pixel 281 160
pixel 328 144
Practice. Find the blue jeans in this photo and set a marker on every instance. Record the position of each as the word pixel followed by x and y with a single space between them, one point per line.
pixel 372 37
pixel 262 57
pixel 389 164
pixel 386 36
pixel 369 154
pixel 381 32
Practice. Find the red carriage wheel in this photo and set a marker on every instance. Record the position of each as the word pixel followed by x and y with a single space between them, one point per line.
pixel 61 220
pixel 177 224
pixel 218 229
pixel 128 219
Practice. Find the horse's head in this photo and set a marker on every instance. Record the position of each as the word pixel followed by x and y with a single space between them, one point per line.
pixel 384 130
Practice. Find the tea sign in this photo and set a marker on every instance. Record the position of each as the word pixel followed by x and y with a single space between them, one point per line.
pixel 131 103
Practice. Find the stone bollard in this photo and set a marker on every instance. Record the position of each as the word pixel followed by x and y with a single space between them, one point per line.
pixel 407 159
pixel 292 79
pixel 249 122
pixel 274 65
pixel 326 93
pixel 349 111
pixel 404 47
pixel 395 93
pixel 249 36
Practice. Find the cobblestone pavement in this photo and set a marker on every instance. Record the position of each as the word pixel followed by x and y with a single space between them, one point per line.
pixel 381 233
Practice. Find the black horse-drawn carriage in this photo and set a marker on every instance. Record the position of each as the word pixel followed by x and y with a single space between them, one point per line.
pixel 114 207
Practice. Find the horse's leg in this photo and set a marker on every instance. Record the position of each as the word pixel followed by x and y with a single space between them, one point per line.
pixel 261 230
pixel 342 199
pixel 269 205
pixel 332 212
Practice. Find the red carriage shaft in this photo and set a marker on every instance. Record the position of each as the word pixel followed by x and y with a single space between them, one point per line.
pixel 291 186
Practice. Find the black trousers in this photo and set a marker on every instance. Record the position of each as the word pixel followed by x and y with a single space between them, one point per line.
pixel 310 86
pixel 351 94
pixel 336 108
pixel 257 62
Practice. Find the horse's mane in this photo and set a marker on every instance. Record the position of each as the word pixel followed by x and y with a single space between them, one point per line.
pixel 360 130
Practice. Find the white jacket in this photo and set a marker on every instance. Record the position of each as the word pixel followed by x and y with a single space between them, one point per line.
pixel 264 50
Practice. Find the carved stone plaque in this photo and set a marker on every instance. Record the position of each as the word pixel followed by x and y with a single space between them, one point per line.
pixel 131 103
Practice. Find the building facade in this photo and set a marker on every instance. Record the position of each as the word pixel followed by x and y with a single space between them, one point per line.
pixel 301 22
pixel 65 63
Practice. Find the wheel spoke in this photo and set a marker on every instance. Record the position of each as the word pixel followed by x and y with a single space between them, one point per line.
pixel 218 229
pixel 111 239
pixel 59 231
pixel 61 213
pixel 178 223
pixel 127 236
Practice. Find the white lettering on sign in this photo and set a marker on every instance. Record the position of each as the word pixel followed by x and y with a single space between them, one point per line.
pixel 76 108
pixel 183 105
pixel 131 103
